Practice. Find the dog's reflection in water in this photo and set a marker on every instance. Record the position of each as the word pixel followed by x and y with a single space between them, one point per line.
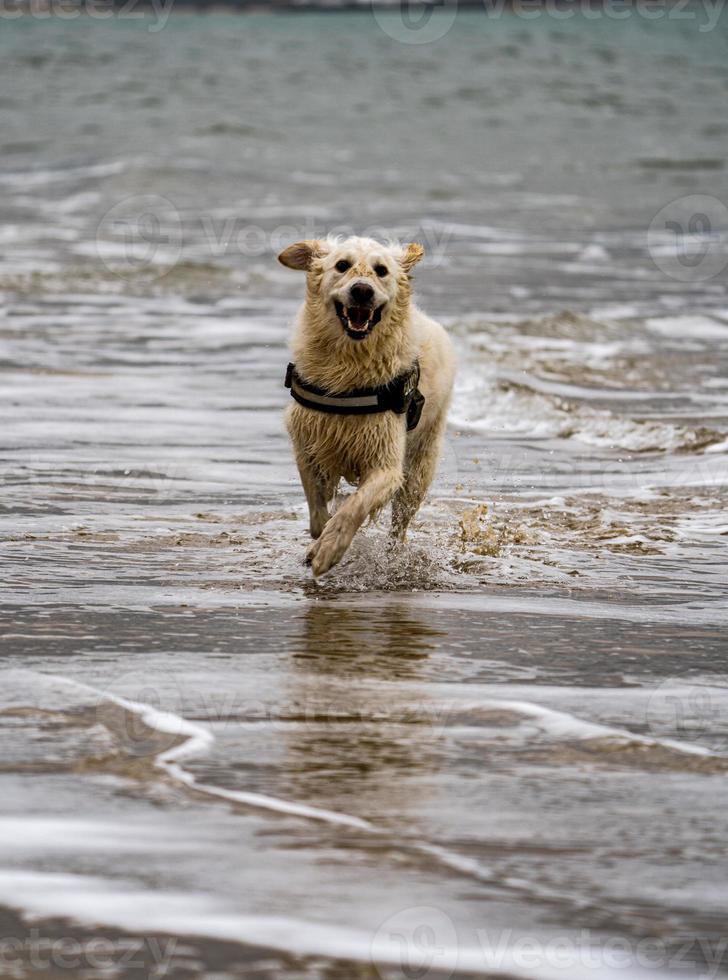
pixel 363 724
pixel 387 640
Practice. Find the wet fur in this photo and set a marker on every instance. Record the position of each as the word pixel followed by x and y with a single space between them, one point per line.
pixel 375 453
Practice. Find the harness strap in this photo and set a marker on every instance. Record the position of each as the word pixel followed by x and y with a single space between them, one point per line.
pixel 400 395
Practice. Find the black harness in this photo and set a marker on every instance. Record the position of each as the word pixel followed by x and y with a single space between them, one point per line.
pixel 400 395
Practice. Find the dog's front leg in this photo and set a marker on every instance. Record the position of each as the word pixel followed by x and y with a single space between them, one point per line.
pixel 316 488
pixel 421 463
pixel 374 492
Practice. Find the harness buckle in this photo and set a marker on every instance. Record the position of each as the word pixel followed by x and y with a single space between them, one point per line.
pixel 399 395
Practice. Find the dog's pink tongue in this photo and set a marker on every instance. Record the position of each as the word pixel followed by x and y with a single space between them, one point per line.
pixel 358 316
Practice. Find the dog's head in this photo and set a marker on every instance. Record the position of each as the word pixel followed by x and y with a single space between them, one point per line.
pixel 356 283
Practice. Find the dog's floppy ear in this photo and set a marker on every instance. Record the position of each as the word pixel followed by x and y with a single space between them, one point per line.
pixel 300 255
pixel 411 255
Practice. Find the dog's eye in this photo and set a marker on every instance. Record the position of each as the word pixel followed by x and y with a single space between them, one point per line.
pixel 342 265
pixel 381 270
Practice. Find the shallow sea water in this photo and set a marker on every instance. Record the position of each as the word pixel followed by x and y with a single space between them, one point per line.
pixel 501 751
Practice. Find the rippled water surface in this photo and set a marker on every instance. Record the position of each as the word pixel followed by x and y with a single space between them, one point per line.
pixel 512 732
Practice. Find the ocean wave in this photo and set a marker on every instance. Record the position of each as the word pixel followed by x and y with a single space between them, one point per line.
pixel 508 408
pixel 188 739
pixel 184 739
pixel 122 904
pixel 94 900
pixel 612 744
pixel 689 327
pixel 568 376
pixel 39 177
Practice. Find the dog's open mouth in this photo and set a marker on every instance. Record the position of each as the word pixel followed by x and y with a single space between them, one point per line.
pixel 358 321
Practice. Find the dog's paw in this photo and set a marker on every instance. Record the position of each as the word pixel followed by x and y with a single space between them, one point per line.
pixel 329 549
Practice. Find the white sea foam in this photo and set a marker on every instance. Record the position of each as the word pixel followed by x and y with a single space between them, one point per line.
pixel 594 251
pixel 562 389
pixel 704 524
pixel 614 311
pixel 99 901
pixel 194 740
pixel 523 405
pixel 40 177
pixel 689 327
pixel 564 726
pixel 718 447
pixel 455 700
pixel 95 900
pixel 48 835
pixel 514 412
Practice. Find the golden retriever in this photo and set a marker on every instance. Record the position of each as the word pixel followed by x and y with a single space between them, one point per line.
pixel 358 330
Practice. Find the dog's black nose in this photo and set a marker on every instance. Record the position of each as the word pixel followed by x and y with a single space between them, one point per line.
pixel 361 293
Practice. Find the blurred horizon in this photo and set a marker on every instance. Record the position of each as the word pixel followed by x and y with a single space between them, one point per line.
pixel 417 12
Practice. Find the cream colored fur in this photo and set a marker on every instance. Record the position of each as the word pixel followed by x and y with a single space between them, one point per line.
pixel 375 453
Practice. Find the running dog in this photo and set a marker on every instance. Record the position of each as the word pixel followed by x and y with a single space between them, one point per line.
pixel 371 378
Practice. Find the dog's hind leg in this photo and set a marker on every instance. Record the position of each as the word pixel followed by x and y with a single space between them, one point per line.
pixel 374 492
pixel 318 491
pixel 421 462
